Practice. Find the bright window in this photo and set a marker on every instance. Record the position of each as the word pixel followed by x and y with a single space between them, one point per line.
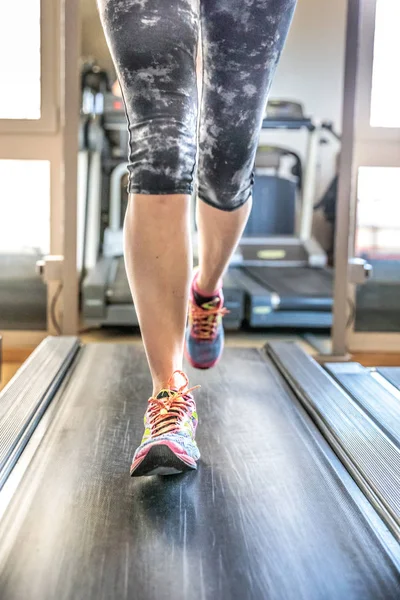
pixel 378 212
pixel 25 206
pixel 20 59
pixel 385 97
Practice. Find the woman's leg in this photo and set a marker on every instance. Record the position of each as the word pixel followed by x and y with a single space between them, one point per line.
pixel 219 234
pixel 158 258
pixel 241 44
pixel 154 46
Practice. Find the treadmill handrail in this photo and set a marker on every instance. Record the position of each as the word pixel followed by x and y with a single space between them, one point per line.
pixel 115 196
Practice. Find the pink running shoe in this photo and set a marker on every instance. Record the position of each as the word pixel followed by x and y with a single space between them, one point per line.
pixel 205 332
pixel 168 445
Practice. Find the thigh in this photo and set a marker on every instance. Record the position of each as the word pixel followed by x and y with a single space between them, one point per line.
pixel 153 44
pixel 241 44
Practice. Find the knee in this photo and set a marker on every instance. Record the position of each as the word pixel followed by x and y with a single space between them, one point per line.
pixel 223 200
pixel 224 184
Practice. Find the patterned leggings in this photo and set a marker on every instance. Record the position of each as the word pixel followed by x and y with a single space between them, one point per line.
pixel 154 47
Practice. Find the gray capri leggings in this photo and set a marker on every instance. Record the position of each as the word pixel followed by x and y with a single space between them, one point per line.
pixel 154 47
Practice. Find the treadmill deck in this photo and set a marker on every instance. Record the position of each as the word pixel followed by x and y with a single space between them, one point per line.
pixel 270 514
pixel 299 288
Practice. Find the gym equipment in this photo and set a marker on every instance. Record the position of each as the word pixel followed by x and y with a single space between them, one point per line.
pixel 378 301
pixel 297 494
pixel 286 279
pixel 276 191
pixel 294 250
pixel 114 117
pixel 106 298
pixel 95 84
pixel 293 297
pixel 23 295
pixel 93 146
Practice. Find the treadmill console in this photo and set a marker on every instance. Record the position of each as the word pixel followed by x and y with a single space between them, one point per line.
pixel 114 108
pixel 284 109
pixel 115 124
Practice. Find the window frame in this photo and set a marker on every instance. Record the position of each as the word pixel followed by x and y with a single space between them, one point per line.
pixel 364 130
pixel 362 145
pixel 373 147
pixel 54 137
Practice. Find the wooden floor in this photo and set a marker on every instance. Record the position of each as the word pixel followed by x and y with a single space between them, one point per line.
pixel 13 359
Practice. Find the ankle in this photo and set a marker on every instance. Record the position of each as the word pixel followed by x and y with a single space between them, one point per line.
pixel 207 286
pixel 160 385
pixel 165 383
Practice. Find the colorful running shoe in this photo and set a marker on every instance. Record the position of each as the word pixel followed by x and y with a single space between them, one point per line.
pixel 205 332
pixel 168 445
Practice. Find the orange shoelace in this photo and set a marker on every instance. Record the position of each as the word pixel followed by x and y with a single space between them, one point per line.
pixel 206 320
pixel 165 414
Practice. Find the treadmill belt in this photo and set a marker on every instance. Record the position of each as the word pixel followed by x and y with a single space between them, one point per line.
pixel 270 514
pixel 298 287
pixel 392 374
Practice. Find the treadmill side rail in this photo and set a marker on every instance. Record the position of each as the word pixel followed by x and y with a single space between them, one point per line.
pixel 392 374
pixel 375 399
pixel 26 397
pixel 370 456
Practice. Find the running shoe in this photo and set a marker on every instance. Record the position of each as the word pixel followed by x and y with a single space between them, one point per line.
pixel 205 333
pixel 168 445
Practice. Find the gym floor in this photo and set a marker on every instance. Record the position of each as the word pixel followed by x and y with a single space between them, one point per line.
pixel 13 359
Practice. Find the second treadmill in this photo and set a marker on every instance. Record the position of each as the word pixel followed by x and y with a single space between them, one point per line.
pixel 285 277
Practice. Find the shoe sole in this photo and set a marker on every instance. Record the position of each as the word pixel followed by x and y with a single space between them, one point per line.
pixel 161 460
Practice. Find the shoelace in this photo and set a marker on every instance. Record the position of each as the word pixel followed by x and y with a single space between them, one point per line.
pixel 166 414
pixel 206 320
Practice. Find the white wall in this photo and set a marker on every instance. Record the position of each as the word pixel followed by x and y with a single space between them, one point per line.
pixel 93 43
pixel 311 66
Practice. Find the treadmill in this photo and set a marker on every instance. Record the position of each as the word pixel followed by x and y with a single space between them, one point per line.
pixel 290 297
pixel 286 278
pixel 296 497
pixel 277 281
pixel 106 297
